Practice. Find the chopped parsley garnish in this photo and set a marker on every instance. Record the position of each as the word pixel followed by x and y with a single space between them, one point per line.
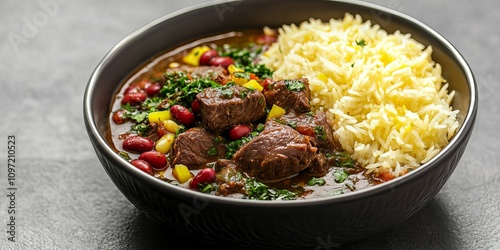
pixel 316 181
pixel 340 175
pixel 320 132
pixel 212 151
pixel 342 159
pixel 124 155
pixel 233 146
pixel 361 42
pixel 180 89
pixel 294 85
pixel 244 58
pixel 206 187
pixel 256 190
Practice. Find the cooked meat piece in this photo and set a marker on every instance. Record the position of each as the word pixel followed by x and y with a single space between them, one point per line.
pixel 229 105
pixel 318 166
pixel 292 95
pixel 195 148
pixel 227 178
pixel 277 152
pixel 216 73
pixel 315 125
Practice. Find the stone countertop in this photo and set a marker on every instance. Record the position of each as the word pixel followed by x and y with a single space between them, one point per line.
pixel 65 200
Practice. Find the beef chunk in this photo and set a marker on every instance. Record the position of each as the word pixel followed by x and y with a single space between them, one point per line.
pixel 292 95
pixel 318 166
pixel 277 152
pixel 195 148
pixel 316 126
pixel 229 105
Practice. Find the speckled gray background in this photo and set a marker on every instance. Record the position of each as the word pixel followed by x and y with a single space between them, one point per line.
pixel 65 200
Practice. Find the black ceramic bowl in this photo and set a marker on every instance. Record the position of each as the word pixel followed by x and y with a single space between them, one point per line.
pixel 325 222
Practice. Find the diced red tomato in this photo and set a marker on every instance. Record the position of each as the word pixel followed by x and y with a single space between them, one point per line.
pixel 305 130
pixel 386 176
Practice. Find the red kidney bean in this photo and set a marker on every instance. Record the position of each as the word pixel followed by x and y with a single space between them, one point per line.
pixel 132 89
pixel 134 98
pixel 119 116
pixel 142 165
pixel 182 115
pixel 207 56
pixel 206 175
pixel 239 131
pixel 156 159
pixel 195 106
pixel 153 89
pixel 223 61
pixel 138 144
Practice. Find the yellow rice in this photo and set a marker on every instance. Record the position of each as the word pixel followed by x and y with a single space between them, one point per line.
pixel 390 105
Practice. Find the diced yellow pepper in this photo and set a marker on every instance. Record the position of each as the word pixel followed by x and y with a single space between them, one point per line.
pixel 275 112
pixel 253 84
pixel 233 69
pixel 159 116
pixel 238 80
pixel 193 57
pixel 171 126
pixel 181 173
pixel 164 144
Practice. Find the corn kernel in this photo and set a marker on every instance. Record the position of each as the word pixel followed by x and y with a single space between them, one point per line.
pixel 193 57
pixel 164 144
pixel 159 116
pixel 181 173
pixel 171 126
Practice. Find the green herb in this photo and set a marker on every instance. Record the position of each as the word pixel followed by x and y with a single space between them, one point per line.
pixel 316 181
pixel 212 151
pixel 320 132
pixel 226 93
pixel 292 124
pixel 179 89
pixel 361 43
pixel 259 127
pixel 244 58
pixel 244 93
pixel 294 85
pixel 256 190
pixel 340 175
pixel 151 104
pixel 233 146
pixel 140 128
pixel 206 187
pixel 343 159
pixel 124 155
pixel 243 75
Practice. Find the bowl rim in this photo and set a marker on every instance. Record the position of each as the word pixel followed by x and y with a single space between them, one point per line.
pixel 162 186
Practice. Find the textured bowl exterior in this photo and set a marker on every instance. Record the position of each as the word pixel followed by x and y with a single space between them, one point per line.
pixel 320 223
